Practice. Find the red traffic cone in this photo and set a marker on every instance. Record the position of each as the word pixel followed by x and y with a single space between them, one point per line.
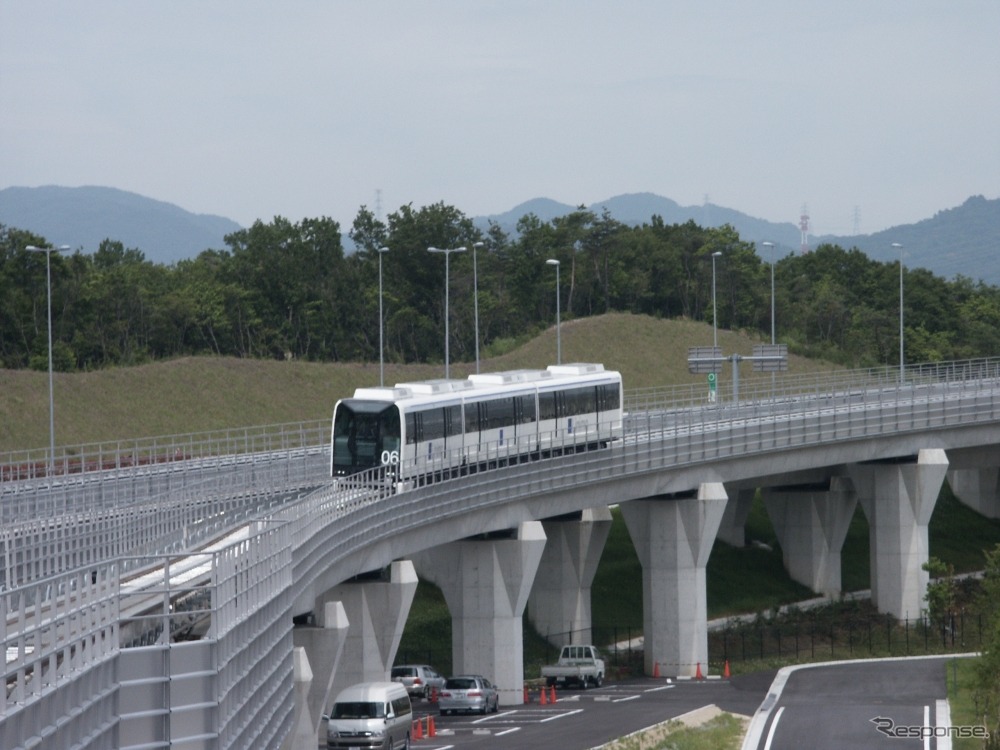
pixel 418 732
pixel 725 670
pixel 552 695
pixel 431 729
pixel 527 697
pixel 656 669
pixel 544 700
pixel 697 674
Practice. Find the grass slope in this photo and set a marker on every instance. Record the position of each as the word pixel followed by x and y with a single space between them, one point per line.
pixel 197 394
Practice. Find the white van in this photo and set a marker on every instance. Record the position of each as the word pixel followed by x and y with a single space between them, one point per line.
pixel 370 715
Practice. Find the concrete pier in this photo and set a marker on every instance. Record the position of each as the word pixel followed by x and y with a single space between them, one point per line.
pixel 486 582
pixel 898 498
pixel 974 476
pixel 559 603
pixel 811 523
pixel 376 611
pixel 732 529
pixel 318 649
pixel 673 537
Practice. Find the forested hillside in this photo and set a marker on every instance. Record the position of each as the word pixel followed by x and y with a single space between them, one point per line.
pixel 286 290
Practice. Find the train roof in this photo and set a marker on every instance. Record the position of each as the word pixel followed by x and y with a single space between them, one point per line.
pixel 510 376
pixel 553 375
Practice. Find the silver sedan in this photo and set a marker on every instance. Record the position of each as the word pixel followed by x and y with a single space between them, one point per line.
pixel 469 692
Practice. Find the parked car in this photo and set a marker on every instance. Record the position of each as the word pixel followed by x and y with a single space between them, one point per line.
pixel 418 679
pixel 370 715
pixel 468 692
pixel 582 665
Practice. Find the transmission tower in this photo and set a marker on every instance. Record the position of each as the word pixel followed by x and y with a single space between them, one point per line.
pixel 804 226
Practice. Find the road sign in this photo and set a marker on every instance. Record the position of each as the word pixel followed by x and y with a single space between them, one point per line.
pixel 770 358
pixel 702 359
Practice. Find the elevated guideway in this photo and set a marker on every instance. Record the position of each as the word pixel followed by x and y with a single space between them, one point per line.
pixel 680 470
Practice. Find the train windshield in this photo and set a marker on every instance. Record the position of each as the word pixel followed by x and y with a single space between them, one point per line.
pixel 365 435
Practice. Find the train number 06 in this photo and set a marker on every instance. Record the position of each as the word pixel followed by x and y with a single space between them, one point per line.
pixel 390 458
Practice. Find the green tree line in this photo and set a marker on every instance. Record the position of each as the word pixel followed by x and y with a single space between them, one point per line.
pixel 288 290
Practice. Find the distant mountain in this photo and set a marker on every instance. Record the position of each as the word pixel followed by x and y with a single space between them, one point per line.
pixel 958 241
pixel 83 217
pixel 636 209
pixel 962 240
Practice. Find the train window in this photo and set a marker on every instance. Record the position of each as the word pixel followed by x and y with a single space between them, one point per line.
pixel 453 420
pixel 472 417
pixel 547 405
pixel 608 397
pixel 433 424
pixel 581 401
pixel 411 428
pixel 524 409
pixel 499 413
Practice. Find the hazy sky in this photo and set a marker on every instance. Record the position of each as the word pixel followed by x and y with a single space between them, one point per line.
pixel 307 108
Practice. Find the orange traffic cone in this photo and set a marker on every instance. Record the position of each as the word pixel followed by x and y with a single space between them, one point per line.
pixel 697 674
pixel 418 732
pixel 552 696
pixel 656 669
pixel 544 700
pixel 431 729
pixel 725 670
pixel 527 697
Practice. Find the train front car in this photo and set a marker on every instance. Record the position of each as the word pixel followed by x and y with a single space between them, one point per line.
pixel 366 433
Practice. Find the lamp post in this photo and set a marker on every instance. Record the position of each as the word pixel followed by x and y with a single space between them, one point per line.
pixel 715 323
pixel 447 253
pixel 381 360
pixel 770 245
pixel 475 297
pixel 554 262
pixel 48 288
pixel 902 367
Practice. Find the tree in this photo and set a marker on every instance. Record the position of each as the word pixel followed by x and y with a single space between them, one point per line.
pixel 296 291
pixel 988 664
pixel 941 592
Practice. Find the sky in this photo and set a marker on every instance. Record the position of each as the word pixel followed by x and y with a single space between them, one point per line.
pixel 867 113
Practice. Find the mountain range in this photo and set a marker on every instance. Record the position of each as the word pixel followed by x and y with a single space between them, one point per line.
pixel 963 240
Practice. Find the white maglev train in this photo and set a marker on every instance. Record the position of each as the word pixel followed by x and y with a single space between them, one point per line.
pixel 434 428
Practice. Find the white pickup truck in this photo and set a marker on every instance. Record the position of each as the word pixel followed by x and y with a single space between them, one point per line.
pixel 580 664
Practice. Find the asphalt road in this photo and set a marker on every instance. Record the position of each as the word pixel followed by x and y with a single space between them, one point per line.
pixel 583 719
pixel 889 703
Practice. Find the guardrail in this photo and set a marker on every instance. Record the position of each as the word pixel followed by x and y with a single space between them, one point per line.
pixel 38 464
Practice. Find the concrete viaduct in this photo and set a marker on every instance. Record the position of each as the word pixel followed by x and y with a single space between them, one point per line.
pixel 528 537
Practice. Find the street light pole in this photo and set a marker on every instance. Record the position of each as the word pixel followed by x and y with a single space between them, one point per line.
pixel 48 288
pixel 381 361
pixel 715 323
pixel 447 253
pixel 902 366
pixel 475 297
pixel 554 262
pixel 771 246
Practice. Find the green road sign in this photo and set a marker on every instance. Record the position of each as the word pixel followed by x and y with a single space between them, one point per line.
pixel 711 381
